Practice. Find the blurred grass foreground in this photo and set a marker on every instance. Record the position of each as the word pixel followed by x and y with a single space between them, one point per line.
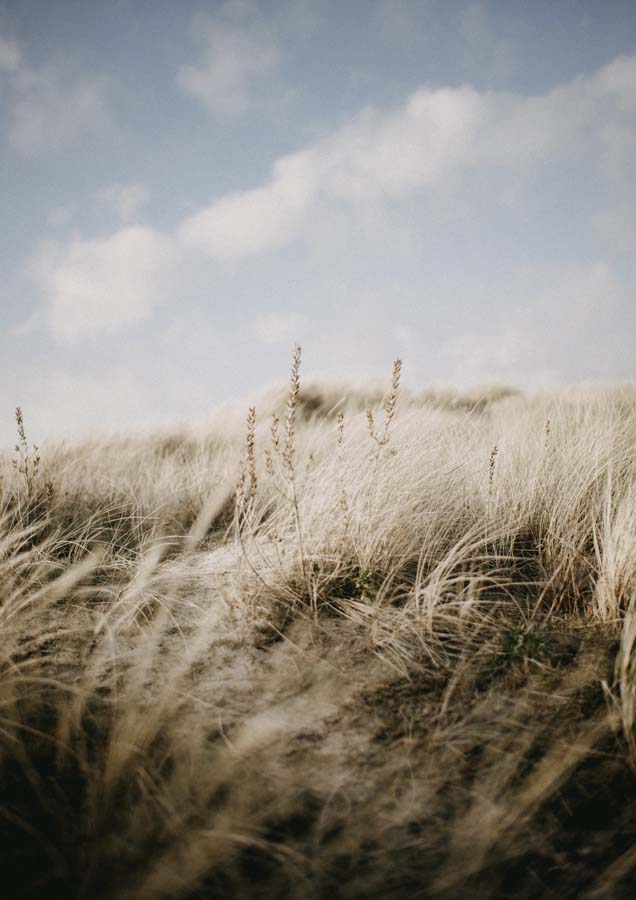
pixel 344 644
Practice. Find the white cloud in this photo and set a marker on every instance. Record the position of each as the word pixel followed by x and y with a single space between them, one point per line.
pixel 250 222
pixel 618 80
pixel 379 158
pixel 437 134
pixel 276 329
pixel 239 51
pixel 124 199
pixel 48 107
pixel 593 115
pixel 390 154
pixel 94 286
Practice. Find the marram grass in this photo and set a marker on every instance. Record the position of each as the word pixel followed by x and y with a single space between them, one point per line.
pixel 360 645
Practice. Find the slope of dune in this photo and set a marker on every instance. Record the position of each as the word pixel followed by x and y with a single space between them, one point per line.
pixel 368 644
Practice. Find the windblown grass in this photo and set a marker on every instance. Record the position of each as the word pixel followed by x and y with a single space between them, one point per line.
pixel 362 645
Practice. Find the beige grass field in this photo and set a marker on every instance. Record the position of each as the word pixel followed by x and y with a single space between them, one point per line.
pixel 347 645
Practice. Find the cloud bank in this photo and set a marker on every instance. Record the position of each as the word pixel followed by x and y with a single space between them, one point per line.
pixel 436 135
pixel 431 141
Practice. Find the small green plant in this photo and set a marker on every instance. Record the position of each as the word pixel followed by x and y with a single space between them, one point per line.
pixel 366 583
pixel 519 642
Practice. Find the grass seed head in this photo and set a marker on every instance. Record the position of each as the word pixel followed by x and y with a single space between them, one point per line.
pixel 250 454
pixel 292 403
pixel 274 430
pixel 492 464
pixel 391 400
pixel 340 438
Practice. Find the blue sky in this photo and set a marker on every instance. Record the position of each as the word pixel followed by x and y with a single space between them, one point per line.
pixel 188 188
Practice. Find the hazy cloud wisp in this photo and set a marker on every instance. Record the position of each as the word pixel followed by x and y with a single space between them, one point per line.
pixel 123 199
pixel 50 108
pixel 236 57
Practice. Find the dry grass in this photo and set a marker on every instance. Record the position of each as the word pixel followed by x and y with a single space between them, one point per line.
pixel 364 646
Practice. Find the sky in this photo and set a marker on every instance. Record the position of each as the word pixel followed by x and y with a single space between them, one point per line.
pixel 190 188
